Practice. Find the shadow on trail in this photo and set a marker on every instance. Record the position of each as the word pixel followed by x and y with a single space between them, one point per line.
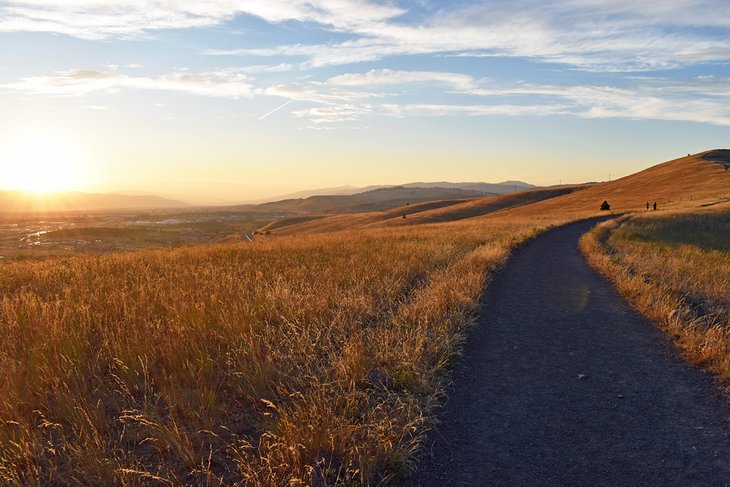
pixel 562 383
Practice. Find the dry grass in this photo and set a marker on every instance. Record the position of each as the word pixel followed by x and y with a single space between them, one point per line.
pixel 291 361
pixel 687 182
pixel 441 211
pixel 680 183
pixel 675 268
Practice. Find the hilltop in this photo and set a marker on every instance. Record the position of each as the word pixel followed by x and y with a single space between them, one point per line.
pixel 720 156
pixel 698 179
pixel 427 212
pixel 380 199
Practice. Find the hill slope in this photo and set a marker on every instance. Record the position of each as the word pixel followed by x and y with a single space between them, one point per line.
pixel 687 181
pixel 693 180
pixel 288 226
pixel 719 156
pixel 375 200
pixel 428 212
pixel 485 206
pixel 504 187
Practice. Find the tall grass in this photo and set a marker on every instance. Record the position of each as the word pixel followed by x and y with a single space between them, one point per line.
pixel 674 268
pixel 291 361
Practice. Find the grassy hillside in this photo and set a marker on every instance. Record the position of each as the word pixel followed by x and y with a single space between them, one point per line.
pixel 350 221
pixel 487 206
pixel 429 212
pixel 288 361
pixel 686 182
pixel 375 200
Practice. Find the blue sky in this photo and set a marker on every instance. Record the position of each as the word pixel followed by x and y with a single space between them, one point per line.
pixel 228 100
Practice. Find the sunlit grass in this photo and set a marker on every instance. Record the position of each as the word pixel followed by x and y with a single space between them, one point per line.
pixel 675 268
pixel 283 362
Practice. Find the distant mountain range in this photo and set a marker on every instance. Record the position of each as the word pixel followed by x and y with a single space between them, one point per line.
pixel 19 201
pixel 696 181
pixel 343 199
pixel 379 199
pixel 504 187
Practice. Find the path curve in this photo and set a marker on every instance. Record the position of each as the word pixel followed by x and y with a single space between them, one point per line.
pixel 562 383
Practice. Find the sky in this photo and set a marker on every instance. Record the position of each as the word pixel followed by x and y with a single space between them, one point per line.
pixel 221 101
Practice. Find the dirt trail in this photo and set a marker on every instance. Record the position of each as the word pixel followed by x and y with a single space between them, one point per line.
pixel 562 383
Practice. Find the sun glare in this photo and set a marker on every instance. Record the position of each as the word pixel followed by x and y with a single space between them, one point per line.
pixel 41 164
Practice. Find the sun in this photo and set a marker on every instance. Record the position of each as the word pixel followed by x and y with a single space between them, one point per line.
pixel 41 164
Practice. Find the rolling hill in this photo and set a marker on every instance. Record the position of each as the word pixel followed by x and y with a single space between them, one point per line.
pixel 485 206
pixel 375 200
pixel 695 180
pixel 698 179
pixel 427 212
pixel 504 187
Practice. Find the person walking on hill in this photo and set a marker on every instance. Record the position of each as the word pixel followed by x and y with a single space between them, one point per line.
pixel 655 206
pixel 647 206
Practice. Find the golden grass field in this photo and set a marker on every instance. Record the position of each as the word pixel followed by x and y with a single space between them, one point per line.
pixel 239 363
pixel 675 269
pixel 314 359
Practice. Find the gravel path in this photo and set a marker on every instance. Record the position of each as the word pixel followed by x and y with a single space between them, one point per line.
pixel 562 383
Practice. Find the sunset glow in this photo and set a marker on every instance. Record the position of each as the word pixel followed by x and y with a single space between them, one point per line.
pixel 224 101
pixel 41 164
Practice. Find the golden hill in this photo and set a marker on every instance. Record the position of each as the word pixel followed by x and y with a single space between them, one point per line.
pixel 694 180
pixel 327 223
pixel 429 212
pixel 374 200
pixel 688 181
pixel 482 206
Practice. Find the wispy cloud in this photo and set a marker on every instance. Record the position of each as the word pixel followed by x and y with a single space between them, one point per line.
pixel 587 34
pixel 386 77
pixel 424 109
pixel 611 35
pixel 618 38
pixel 698 100
pixel 336 114
pixel 351 96
pixel 100 19
pixel 702 99
pixel 315 92
pixel 223 83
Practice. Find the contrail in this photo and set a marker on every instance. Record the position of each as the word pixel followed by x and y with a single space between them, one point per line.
pixel 275 110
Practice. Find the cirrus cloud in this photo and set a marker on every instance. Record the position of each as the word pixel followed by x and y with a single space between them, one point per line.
pixel 223 83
